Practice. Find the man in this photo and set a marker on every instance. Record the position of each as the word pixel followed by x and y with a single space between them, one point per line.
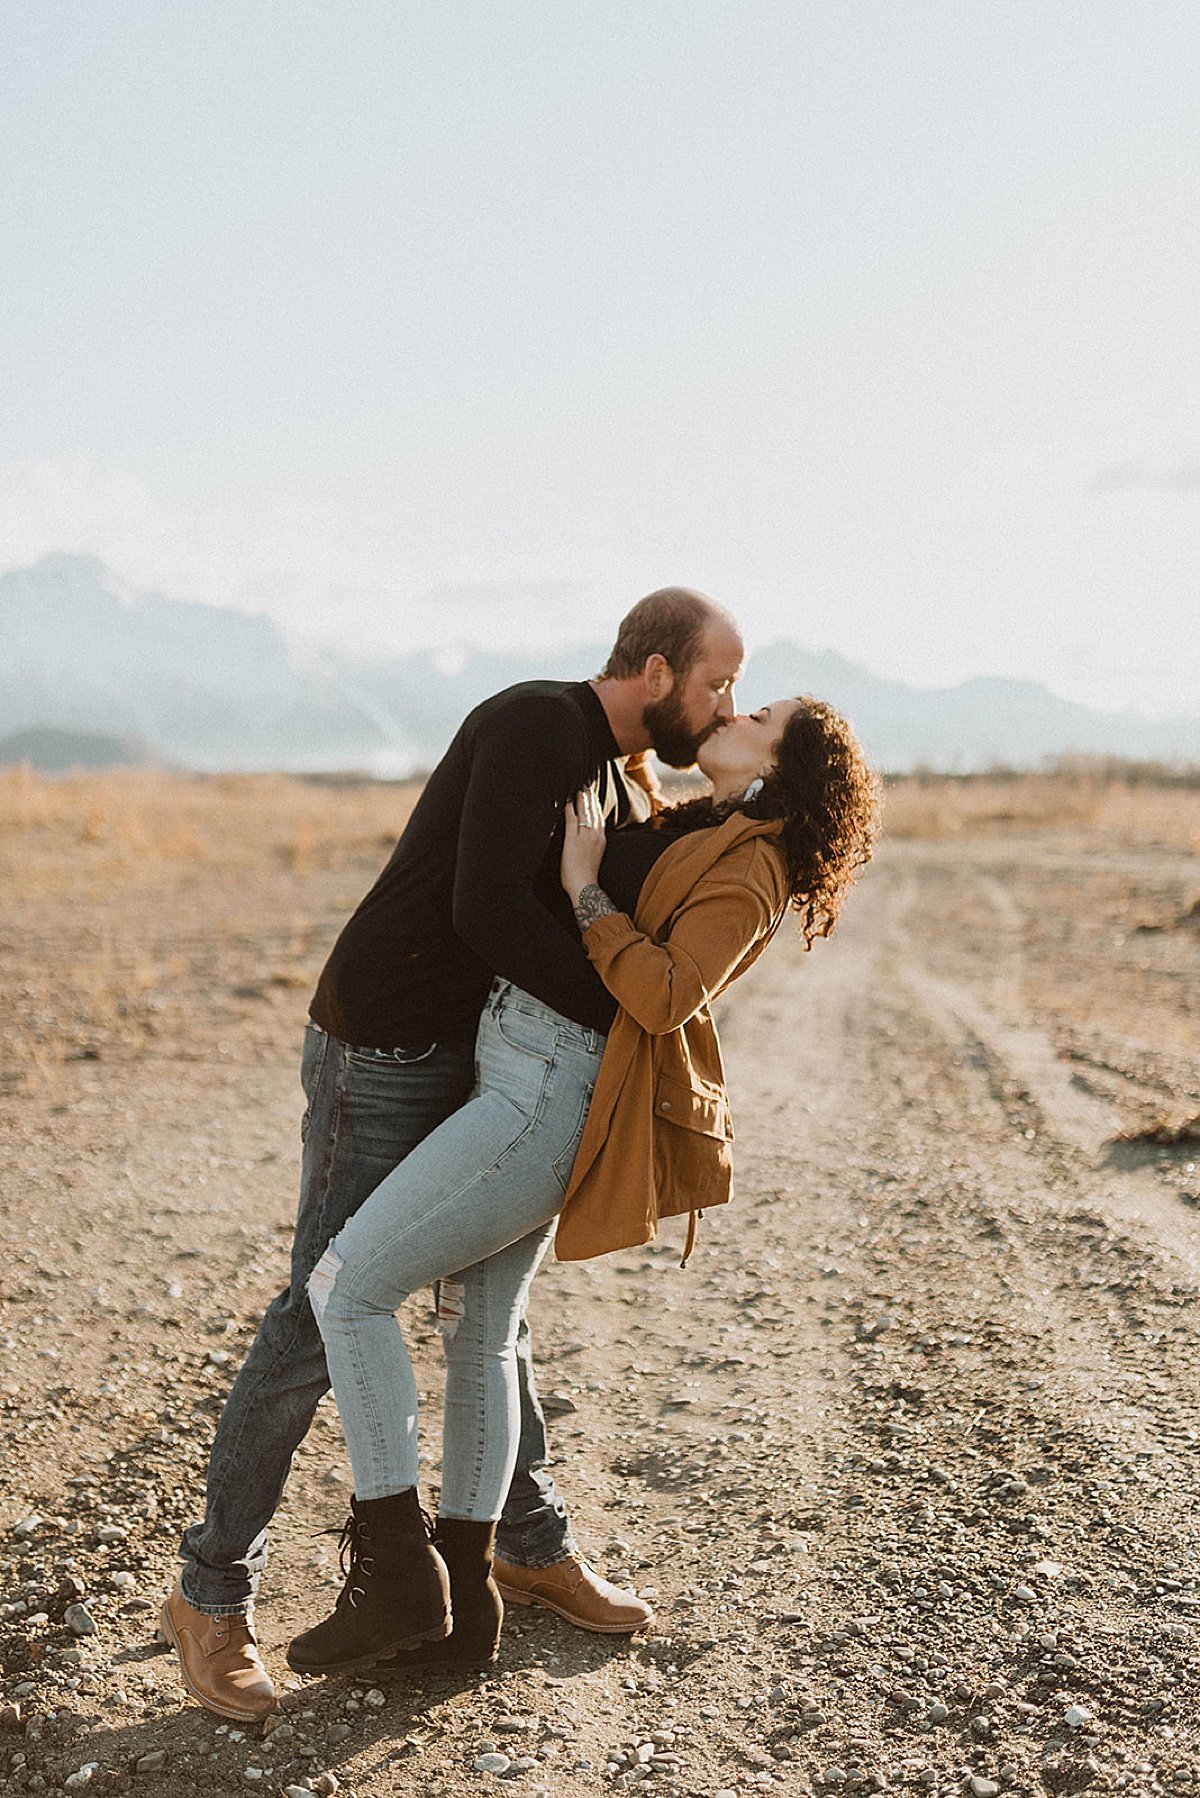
pixel 471 891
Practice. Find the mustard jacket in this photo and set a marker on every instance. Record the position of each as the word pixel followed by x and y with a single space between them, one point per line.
pixel 657 1138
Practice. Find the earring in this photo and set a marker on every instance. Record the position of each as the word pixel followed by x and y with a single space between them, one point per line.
pixel 753 790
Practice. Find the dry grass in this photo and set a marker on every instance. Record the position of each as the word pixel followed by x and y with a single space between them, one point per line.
pixel 123 827
pixel 128 898
pixel 1122 811
pixel 131 901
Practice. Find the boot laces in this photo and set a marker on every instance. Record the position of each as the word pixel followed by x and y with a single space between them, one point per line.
pixel 352 1557
pixel 352 1539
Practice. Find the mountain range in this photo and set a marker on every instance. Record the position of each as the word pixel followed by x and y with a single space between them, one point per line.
pixel 207 688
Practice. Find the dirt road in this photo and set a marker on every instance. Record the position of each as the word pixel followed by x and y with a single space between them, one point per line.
pixel 908 1458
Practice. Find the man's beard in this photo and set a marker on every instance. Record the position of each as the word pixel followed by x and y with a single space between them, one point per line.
pixel 672 739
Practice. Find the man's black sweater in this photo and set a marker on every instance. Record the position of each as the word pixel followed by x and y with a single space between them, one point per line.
pixel 472 888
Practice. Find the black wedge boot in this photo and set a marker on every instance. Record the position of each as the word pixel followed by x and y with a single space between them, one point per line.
pixel 475 1601
pixel 396 1594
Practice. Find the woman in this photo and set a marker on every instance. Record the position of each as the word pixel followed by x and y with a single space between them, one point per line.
pixel 670 915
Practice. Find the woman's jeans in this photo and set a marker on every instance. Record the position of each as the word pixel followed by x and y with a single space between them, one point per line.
pixel 473 1207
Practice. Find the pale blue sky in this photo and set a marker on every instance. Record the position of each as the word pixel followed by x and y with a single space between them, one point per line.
pixel 422 323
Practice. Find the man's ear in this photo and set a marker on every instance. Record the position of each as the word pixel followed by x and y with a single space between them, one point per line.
pixel 658 675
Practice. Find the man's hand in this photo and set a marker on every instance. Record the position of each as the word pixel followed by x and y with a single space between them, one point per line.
pixel 583 843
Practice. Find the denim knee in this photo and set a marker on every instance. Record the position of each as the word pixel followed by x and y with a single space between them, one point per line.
pixel 321 1283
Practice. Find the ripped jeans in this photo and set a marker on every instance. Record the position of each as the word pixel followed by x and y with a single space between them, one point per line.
pixel 473 1206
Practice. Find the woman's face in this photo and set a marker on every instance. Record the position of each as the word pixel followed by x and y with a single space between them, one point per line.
pixel 745 747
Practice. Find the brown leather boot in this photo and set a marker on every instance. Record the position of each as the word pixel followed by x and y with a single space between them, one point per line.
pixel 577 1593
pixel 475 1601
pixel 219 1660
pixel 397 1590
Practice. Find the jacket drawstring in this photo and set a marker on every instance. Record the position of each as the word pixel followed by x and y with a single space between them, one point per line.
pixel 693 1219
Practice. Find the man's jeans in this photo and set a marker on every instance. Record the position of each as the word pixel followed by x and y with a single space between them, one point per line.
pixel 366 1110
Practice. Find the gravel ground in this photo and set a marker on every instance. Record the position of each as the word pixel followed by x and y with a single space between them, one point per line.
pixel 907 1459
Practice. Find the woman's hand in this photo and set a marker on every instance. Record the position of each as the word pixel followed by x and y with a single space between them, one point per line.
pixel 583 843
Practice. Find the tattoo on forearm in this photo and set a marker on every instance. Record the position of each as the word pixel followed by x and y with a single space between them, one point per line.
pixel 592 904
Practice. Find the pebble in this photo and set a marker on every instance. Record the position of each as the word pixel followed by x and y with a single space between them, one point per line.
pixel 304 1791
pixel 27 1526
pixel 492 1763
pixel 111 1532
pixel 983 1788
pixel 375 1698
pixel 217 1357
pixel 154 1762
pixel 252 1774
pixel 82 1776
pixel 122 1582
pixel 79 1620
pixel 938 1712
pixel 10 1716
pixel 1077 1716
pixel 1025 1595
pixel 326 1784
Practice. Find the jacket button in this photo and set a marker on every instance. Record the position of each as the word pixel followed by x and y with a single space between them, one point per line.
pixel 665 1106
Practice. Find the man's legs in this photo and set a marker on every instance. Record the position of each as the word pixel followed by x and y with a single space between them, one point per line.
pixel 534 1530
pixel 366 1111
pixel 536 1560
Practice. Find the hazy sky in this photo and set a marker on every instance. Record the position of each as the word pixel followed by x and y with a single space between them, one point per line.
pixel 427 322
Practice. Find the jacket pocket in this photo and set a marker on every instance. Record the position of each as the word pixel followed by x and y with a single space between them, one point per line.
pixel 703 1109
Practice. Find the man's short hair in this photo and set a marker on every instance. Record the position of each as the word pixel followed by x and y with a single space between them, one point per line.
pixel 669 622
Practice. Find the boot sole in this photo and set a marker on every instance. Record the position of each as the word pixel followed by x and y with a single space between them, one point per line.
pixel 209 1704
pixel 369 1660
pixel 510 1596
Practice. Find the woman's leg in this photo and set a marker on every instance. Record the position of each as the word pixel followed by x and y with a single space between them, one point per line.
pixel 489 1177
pixel 482 1419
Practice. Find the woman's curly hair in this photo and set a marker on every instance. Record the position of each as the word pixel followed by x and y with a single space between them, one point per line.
pixel 828 799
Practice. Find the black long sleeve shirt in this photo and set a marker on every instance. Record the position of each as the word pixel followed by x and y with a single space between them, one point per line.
pixel 472 888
